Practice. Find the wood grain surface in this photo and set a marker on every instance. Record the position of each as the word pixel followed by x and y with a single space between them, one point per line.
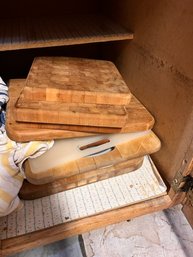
pixel 74 80
pixel 23 132
pixel 30 191
pixel 72 114
pixel 139 119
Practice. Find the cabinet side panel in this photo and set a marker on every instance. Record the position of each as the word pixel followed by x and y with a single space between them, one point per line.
pixel 158 67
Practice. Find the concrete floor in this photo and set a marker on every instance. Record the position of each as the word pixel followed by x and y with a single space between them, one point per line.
pixel 161 234
pixel 65 248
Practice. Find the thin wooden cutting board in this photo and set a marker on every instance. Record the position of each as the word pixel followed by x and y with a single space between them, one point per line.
pixel 23 132
pixel 72 114
pixel 74 80
pixel 30 191
pixel 139 120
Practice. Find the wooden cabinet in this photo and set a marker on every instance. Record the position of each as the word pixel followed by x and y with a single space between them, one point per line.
pixel 151 44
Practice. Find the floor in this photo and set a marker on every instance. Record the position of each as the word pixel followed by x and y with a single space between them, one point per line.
pixel 65 248
pixel 161 234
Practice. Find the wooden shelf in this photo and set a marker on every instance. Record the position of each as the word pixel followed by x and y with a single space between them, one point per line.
pixel 23 33
pixel 82 209
pixel 54 233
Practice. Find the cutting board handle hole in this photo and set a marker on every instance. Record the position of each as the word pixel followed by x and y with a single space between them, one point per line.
pixel 100 152
pixel 94 144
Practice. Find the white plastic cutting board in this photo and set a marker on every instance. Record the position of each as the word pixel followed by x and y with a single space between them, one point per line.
pixel 71 149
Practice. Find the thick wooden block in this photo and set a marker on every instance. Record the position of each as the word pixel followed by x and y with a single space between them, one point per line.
pixel 74 80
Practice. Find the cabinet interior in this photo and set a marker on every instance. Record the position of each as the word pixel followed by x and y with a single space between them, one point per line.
pixel 150 43
pixel 156 63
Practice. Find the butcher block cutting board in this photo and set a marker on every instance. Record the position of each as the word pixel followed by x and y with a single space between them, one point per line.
pixel 100 115
pixel 31 191
pixel 75 80
pixel 23 132
pixel 89 153
pixel 139 120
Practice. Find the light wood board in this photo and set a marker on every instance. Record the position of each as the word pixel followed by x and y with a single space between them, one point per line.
pixel 23 132
pixel 74 80
pixel 139 120
pixel 30 191
pixel 72 114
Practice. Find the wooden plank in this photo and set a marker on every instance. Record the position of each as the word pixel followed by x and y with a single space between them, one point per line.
pixel 30 191
pixel 58 232
pixel 74 80
pixel 139 120
pixel 180 197
pixel 43 169
pixel 59 31
pixel 72 114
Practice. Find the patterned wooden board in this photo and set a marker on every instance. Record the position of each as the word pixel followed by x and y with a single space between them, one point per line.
pixel 59 162
pixel 100 197
pixel 30 191
pixel 73 80
pixel 72 114
pixel 139 120
pixel 22 132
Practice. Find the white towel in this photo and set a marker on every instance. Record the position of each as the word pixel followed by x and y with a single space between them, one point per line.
pixel 3 92
pixel 12 156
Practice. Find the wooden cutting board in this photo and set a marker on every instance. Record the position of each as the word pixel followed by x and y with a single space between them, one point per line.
pixel 23 132
pixel 72 114
pixel 90 153
pixel 75 80
pixel 139 120
pixel 30 191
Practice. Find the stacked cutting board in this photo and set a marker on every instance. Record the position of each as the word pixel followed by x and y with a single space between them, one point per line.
pixel 100 129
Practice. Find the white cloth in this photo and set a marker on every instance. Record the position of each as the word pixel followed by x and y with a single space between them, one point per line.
pixel 12 156
pixel 3 92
